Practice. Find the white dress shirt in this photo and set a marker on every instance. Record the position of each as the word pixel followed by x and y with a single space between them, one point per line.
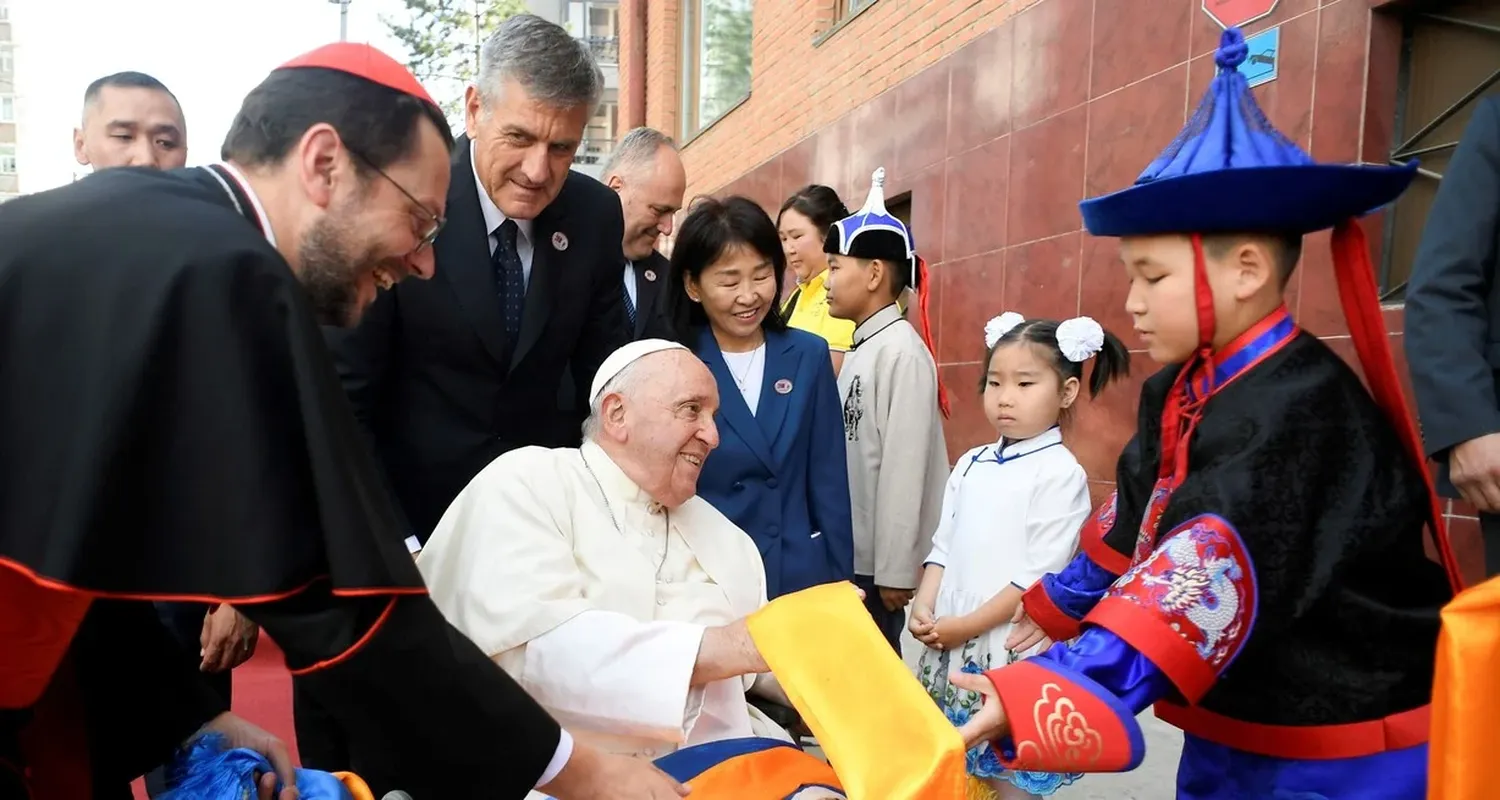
pixel 493 217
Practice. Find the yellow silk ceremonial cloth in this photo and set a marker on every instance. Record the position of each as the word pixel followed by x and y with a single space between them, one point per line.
pixel 1461 761
pixel 885 738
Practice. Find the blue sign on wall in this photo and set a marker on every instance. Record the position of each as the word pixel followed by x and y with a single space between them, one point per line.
pixel 1265 54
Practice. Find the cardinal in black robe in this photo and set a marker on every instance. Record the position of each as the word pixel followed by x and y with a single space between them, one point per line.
pixel 171 429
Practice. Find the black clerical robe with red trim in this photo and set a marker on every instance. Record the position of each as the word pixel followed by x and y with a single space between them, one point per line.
pixel 171 428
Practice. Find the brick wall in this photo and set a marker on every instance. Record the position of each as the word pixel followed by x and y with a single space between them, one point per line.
pixel 999 117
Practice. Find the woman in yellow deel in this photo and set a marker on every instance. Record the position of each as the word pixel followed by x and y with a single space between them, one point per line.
pixel 803 222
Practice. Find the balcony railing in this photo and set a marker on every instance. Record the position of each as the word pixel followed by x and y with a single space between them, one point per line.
pixel 593 151
pixel 606 49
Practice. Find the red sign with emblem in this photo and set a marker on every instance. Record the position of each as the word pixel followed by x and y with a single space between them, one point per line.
pixel 1234 13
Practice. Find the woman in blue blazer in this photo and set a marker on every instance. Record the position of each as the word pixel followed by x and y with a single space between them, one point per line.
pixel 779 471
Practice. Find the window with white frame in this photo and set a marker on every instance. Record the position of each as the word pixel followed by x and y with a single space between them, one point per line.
pixel 715 69
pixel 7 108
pixel 7 159
pixel 4 11
pixel 7 58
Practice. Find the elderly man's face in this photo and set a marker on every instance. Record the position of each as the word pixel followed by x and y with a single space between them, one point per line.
pixel 522 147
pixel 669 425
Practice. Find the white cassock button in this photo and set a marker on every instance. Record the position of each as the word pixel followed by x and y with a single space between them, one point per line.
pixel 661 602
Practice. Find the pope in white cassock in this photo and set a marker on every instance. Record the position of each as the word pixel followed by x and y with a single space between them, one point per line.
pixel 601 581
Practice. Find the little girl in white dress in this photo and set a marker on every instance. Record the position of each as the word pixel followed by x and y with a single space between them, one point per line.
pixel 1011 513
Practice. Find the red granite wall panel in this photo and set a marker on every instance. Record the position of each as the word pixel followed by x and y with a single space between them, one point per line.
pixel 1027 108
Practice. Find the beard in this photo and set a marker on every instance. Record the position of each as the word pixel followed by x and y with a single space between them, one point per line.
pixel 332 265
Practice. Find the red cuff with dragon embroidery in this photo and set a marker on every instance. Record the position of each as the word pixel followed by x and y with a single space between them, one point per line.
pixel 1091 538
pixel 1060 721
pixel 1189 606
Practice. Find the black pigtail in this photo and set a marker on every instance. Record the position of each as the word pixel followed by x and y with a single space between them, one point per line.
pixel 1111 363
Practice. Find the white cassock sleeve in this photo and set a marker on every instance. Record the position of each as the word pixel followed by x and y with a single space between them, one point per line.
pixel 608 673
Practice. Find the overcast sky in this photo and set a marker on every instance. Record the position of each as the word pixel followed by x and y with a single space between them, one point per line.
pixel 210 53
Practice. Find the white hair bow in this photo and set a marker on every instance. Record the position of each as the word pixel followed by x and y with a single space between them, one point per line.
pixel 1080 338
pixel 999 326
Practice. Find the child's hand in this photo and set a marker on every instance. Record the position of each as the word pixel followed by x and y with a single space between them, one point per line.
pixel 948 633
pixel 988 723
pixel 921 620
pixel 1024 634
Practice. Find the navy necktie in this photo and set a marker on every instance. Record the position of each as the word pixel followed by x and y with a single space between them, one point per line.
pixel 629 306
pixel 510 276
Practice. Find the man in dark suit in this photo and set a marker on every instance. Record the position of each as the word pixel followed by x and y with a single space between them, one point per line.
pixel 448 375
pixel 647 173
pixel 1453 325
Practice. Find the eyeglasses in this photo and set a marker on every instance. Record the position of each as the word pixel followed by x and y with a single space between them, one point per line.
pixel 437 222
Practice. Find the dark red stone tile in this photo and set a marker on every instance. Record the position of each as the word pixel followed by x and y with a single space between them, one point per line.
pixel 1459 507
pixel 967 427
pixel 979 184
pixel 796 166
pixel 1403 372
pixel 1051 59
pixel 1468 548
pixel 1382 81
pixel 973 291
pixel 762 185
pixel 1041 277
pixel 1287 101
pixel 980 90
pixel 1317 303
pixel 919 119
pixel 1130 128
pixel 1100 427
pixel 1206 32
pixel 929 207
pixel 1343 37
pixel 1046 177
pixel 1104 288
pixel 875 127
pixel 1137 38
pixel 829 161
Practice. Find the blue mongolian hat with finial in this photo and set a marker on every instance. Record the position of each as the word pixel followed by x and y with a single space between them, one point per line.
pixel 1230 171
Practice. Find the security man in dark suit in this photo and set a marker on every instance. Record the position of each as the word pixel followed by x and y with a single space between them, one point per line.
pixel 449 373
pixel 1453 325
pixel 646 171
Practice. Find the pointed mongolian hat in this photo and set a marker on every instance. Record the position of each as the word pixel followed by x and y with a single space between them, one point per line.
pixel 1230 171
pixel 875 233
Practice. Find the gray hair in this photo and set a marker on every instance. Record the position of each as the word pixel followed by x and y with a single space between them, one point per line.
pixel 552 66
pixel 637 149
pixel 621 383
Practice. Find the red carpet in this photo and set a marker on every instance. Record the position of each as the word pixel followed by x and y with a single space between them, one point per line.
pixel 262 694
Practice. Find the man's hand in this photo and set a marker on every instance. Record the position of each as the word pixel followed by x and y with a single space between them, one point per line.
pixel 1474 467
pixel 948 633
pixel 895 599
pixel 228 639
pixel 989 722
pixel 921 621
pixel 239 733
pixel 591 774
pixel 1024 634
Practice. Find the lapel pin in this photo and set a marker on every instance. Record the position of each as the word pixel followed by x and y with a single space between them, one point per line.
pixel 650 274
pixel 559 241
pixel 783 386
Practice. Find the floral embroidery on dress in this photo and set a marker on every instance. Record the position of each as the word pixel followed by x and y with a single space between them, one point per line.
pixel 959 705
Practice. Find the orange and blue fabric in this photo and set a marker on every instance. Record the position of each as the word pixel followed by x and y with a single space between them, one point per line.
pixel 205 769
pixel 1466 698
pixel 884 737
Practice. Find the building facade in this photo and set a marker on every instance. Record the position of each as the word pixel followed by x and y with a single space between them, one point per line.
pixel 994 118
pixel 596 22
pixel 10 179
